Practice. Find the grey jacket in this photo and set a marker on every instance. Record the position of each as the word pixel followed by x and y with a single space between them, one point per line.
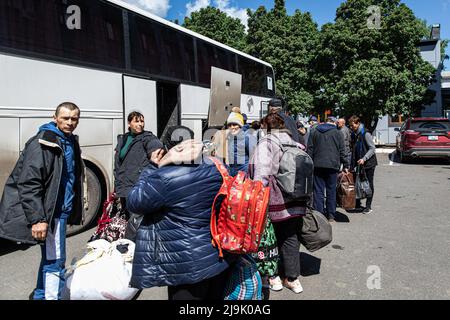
pixel 31 191
pixel 347 138
pixel 127 171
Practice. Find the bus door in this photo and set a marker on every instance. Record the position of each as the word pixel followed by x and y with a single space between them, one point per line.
pixel 168 102
pixel 140 95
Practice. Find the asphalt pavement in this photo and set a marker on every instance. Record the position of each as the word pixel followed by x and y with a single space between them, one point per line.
pixel 400 251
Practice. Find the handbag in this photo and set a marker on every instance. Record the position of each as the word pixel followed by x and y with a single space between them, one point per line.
pixel 112 224
pixel 316 231
pixel 362 185
pixel 245 282
pixel 267 257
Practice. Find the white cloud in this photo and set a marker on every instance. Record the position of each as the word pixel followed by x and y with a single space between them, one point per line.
pixel 158 7
pixel 241 14
pixel 197 5
pixel 223 5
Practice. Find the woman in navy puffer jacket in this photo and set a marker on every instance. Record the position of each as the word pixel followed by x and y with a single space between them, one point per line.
pixel 173 242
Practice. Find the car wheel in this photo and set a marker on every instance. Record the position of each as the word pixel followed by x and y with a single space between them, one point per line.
pixel 94 196
pixel 403 158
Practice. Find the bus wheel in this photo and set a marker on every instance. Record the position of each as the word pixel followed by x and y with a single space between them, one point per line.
pixel 94 196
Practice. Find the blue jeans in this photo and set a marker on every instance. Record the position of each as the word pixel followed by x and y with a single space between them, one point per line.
pixel 51 278
pixel 325 179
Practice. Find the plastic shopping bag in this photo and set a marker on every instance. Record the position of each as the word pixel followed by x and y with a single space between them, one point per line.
pixel 103 273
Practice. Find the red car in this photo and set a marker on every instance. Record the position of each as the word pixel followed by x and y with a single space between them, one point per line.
pixel 424 137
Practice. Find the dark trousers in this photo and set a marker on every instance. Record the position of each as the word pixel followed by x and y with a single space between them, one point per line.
pixel 212 289
pixel 287 234
pixel 370 174
pixel 325 179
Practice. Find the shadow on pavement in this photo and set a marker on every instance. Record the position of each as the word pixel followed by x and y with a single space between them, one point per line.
pixel 7 246
pixel 341 217
pixel 309 265
pixel 394 157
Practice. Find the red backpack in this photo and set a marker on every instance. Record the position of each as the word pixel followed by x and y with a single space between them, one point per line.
pixel 239 226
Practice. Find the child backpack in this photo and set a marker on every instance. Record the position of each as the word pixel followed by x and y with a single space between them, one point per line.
pixel 295 175
pixel 240 223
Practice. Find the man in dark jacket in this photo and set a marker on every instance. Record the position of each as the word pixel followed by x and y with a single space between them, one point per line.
pixel 43 194
pixel 135 150
pixel 276 106
pixel 326 148
pixel 364 156
pixel 173 241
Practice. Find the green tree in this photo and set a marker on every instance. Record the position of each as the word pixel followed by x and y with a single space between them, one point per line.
pixel 372 70
pixel 288 43
pixel 217 25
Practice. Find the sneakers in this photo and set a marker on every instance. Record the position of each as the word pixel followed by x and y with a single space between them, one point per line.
pixel 295 285
pixel 367 210
pixel 275 283
pixel 331 220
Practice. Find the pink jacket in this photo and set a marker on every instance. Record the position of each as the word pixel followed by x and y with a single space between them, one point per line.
pixel 264 166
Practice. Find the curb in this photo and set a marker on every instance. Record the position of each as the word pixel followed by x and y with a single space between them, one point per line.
pixel 385 151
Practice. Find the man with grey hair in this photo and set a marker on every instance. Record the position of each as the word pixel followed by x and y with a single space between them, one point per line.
pixel 43 194
pixel 340 123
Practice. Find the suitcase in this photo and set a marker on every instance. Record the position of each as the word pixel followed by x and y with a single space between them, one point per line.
pixel 346 192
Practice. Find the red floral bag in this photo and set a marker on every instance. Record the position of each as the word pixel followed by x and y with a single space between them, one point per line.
pixel 239 225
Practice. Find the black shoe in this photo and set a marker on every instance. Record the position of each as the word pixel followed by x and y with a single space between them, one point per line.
pixel 31 296
pixel 367 210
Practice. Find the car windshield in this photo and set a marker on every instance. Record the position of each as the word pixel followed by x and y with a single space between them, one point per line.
pixel 437 125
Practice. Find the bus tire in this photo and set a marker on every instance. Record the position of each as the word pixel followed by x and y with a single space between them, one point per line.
pixel 94 188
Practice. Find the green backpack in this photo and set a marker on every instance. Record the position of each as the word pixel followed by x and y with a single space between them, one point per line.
pixel 267 256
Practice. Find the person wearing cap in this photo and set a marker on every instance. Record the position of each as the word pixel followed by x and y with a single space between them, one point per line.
pixel 246 126
pixel 313 122
pixel 240 144
pixel 276 106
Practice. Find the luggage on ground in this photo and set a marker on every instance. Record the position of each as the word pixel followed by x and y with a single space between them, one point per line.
pixel 346 193
pixel 103 273
pixel 239 225
pixel 316 231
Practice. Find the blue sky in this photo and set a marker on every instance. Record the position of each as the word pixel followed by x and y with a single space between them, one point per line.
pixel 323 11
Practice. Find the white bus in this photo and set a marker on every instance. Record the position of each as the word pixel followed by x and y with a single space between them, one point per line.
pixel 109 58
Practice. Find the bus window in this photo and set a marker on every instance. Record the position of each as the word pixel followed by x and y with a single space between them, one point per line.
pixel 212 56
pixel 254 77
pixel 160 50
pixel 40 26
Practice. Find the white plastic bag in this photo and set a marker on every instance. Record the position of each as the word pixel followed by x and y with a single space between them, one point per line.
pixel 103 273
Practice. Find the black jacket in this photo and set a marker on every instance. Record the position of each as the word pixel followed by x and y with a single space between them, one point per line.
pixel 127 171
pixel 31 191
pixel 326 147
